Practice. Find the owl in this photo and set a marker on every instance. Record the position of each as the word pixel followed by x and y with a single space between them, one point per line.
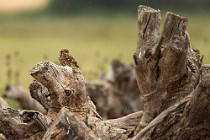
pixel 66 59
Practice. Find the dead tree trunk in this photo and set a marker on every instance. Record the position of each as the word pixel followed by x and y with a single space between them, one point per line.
pixel 174 87
pixel 172 83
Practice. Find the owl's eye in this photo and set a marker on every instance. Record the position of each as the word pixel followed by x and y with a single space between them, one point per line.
pixel 68 92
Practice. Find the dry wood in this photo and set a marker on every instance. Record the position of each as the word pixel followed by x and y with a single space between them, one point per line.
pixel 2 137
pixel 68 126
pixel 23 124
pixel 174 87
pixel 161 117
pixel 167 69
pixel 171 90
pixel 40 93
pixel 188 119
pixel 66 87
pixel 3 104
pixel 59 80
pixel 116 93
pixel 20 94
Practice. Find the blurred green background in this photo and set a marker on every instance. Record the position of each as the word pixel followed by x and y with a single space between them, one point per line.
pixel 95 32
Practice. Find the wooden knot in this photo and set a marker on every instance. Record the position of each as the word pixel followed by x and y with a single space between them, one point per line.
pixel 68 92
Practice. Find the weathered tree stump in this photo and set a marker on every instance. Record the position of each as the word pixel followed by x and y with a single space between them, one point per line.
pixel 115 93
pixel 168 72
pixel 174 87
pixel 66 88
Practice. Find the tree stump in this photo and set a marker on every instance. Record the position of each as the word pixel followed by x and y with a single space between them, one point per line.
pixel 174 87
pixel 169 75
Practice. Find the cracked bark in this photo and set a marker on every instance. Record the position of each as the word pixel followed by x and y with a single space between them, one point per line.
pixel 60 79
pixel 171 80
pixel 23 124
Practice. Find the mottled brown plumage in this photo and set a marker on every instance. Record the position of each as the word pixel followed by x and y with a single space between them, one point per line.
pixel 67 59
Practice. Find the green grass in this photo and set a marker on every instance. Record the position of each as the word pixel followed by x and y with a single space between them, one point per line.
pixel 93 40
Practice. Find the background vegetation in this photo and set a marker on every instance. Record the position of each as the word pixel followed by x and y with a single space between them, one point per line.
pixel 68 6
pixel 95 33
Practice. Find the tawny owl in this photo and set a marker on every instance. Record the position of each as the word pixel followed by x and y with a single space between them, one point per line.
pixel 66 59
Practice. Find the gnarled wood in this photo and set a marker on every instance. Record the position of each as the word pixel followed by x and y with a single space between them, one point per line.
pixel 167 69
pixel 17 125
pixel 188 119
pixel 116 93
pixel 68 126
pixel 146 59
pixel 195 121
pixel 171 73
pixel 119 129
pixel 60 79
pixel 174 87
pixel 40 93
pixel 66 87
pixel 19 93
pixel 161 118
